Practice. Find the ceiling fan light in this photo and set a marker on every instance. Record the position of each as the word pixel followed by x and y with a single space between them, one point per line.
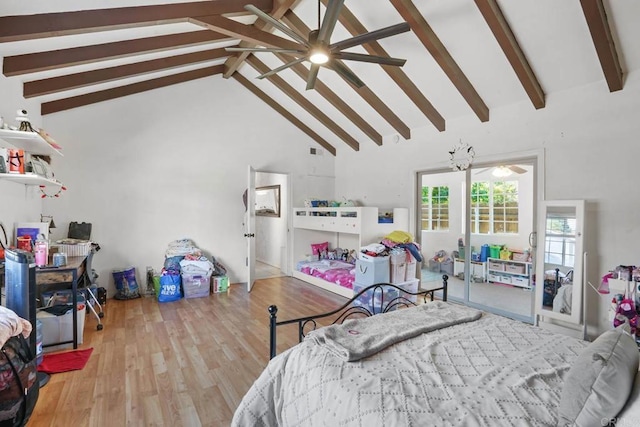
pixel 318 56
pixel 501 172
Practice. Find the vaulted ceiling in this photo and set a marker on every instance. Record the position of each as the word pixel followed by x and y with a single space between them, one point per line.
pixel 464 57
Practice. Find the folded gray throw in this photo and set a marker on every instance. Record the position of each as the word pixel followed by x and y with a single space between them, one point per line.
pixel 359 338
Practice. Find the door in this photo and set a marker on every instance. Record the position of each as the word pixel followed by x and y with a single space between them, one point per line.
pixel 463 215
pixel 250 227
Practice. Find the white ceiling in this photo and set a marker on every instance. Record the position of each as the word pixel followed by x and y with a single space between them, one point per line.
pixel 552 34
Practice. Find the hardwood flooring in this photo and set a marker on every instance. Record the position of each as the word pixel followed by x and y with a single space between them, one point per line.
pixel 185 363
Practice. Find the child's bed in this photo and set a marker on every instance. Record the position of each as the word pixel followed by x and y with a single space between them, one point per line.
pixel 333 271
pixel 442 364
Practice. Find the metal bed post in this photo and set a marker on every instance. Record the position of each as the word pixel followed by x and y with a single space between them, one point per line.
pixel 273 310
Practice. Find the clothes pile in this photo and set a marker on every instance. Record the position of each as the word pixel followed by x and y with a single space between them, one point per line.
pixel 186 273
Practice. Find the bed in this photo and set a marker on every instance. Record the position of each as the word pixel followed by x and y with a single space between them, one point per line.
pixel 334 271
pixel 438 363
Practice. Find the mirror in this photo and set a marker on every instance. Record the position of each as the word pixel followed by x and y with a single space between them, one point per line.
pixel 268 201
pixel 559 260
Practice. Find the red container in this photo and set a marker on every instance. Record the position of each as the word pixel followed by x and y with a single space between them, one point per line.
pixel 16 160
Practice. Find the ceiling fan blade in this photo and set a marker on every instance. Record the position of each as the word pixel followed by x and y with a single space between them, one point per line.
pixel 517 169
pixel 383 60
pixel 346 73
pixel 329 21
pixel 371 36
pixel 279 25
pixel 282 67
pixel 265 49
pixel 313 76
pixel 482 170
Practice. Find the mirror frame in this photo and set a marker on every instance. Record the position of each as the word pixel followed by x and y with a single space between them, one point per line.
pixel 576 297
pixel 272 192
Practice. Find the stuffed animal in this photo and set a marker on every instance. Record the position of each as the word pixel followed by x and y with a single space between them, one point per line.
pixel 626 312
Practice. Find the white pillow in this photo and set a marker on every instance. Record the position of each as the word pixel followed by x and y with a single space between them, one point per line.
pixel 599 383
pixel 630 414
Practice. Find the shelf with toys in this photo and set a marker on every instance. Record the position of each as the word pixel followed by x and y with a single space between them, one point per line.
pixel 25 155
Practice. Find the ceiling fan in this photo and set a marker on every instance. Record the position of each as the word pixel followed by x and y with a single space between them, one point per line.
pixel 503 170
pixel 318 49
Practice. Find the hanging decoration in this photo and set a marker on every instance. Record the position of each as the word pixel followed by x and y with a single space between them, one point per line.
pixel 461 156
pixel 57 194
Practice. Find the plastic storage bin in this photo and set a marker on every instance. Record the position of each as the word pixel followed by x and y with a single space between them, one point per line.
pixel 398 267
pixel 378 300
pixel 60 328
pixel 61 297
pixel 372 270
pixel 195 286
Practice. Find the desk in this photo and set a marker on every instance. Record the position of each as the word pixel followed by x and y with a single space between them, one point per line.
pixel 68 273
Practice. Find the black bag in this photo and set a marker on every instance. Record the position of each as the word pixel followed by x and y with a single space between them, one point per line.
pixel 19 387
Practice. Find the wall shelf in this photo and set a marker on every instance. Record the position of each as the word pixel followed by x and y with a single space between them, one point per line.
pixel 30 142
pixel 29 179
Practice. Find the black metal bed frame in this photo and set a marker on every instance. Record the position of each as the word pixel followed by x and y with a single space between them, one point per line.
pixel 349 309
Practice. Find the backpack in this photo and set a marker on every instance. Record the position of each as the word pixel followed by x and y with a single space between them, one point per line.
pixel 19 386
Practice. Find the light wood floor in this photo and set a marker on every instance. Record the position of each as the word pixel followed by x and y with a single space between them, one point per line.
pixel 185 363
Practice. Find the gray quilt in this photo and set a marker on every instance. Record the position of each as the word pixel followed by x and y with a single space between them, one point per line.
pixel 491 372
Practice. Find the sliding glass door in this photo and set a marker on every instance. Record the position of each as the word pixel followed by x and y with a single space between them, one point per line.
pixel 475 226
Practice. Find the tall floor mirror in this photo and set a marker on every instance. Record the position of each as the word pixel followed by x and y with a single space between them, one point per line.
pixel 559 264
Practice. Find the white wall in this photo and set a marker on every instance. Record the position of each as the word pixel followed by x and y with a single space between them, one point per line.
pixel 271 232
pixel 591 147
pixel 167 164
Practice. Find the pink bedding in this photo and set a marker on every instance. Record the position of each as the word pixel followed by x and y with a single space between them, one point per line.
pixel 338 272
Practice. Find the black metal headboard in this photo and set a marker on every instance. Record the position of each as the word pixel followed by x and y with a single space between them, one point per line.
pixel 379 305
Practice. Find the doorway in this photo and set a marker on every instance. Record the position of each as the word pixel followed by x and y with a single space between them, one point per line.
pixel 271 226
pixel 476 226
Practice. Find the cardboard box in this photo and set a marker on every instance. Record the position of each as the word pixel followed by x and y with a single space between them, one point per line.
pixel 219 284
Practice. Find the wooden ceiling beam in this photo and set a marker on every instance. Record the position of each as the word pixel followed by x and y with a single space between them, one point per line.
pixel 423 31
pixel 27 27
pixel 87 78
pixel 598 24
pixel 355 27
pixel 336 101
pixel 55 59
pixel 287 115
pixel 507 41
pixel 303 102
pixel 247 33
pixel 293 21
pixel 118 92
pixel 279 9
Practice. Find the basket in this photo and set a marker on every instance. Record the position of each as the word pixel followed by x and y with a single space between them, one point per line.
pixel 76 249
pixel 494 251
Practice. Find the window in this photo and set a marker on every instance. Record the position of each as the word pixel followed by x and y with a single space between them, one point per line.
pixel 560 241
pixel 435 208
pixel 494 207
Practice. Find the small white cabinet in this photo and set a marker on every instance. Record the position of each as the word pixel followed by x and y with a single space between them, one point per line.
pixel 509 272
